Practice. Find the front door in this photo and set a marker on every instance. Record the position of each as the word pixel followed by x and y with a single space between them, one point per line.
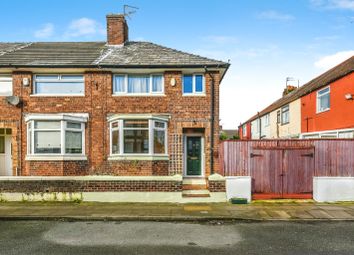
pixel 5 152
pixel 194 156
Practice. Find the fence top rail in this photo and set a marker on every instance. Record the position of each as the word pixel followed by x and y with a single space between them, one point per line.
pixel 283 147
pixel 288 140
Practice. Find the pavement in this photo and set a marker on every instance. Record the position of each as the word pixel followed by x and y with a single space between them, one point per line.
pixel 276 210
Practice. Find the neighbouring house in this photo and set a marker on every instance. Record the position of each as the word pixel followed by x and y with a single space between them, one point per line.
pixel 109 116
pixel 322 108
pixel 229 134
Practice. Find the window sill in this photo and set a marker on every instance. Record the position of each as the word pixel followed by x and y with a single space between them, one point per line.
pixel 194 95
pixel 59 95
pixel 138 95
pixel 326 110
pixel 139 157
pixel 56 157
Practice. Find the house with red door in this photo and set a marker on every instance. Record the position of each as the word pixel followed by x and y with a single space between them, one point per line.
pixel 322 108
pixel 116 120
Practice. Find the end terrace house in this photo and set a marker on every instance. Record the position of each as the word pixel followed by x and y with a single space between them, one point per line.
pixel 114 116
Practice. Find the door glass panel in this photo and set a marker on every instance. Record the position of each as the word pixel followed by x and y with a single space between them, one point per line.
pixel 8 131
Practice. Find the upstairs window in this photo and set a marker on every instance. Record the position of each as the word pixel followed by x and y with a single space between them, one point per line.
pixel 266 120
pixel 6 85
pixel 59 85
pixel 285 118
pixel 138 84
pixel 244 130
pixel 323 98
pixel 193 84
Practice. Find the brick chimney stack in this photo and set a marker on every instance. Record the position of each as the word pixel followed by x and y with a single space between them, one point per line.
pixel 117 29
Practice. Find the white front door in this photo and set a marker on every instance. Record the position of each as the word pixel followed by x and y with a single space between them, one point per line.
pixel 5 154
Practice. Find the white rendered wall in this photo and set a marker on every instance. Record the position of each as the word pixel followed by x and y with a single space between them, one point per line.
pixel 238 186
pixel 332 189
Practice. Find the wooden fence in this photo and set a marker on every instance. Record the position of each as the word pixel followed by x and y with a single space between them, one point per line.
pixel 331 157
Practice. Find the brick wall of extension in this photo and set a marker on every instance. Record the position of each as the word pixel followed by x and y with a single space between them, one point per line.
pixel 186 113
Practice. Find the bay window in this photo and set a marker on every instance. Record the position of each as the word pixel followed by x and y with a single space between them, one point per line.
pixel 138 84
pixel 55 135
pixel 138 137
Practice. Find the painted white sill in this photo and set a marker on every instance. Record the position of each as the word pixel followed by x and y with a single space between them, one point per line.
pixel 139 157
pixel 139 95
pixel 326 110
pixel 56 157
pixel 57 95
pixel 194 95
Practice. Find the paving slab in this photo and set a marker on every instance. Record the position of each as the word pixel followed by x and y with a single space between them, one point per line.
pixel 170 212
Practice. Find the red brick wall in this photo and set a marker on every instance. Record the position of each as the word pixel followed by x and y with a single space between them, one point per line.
pixel 98 102
pixel 117 29
pixel 89 186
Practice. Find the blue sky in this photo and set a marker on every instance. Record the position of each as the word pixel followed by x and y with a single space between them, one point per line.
pixel 265 40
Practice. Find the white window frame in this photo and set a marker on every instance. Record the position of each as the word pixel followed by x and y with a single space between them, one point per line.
pixel 150 93
pixel 266 120
pixel 194 92
pixel 34 93
pixel 151 128
pixel 6 78
pixel 244 130
pixel 327 133
pixel 63 119
pixel 282 112
pixel 318 110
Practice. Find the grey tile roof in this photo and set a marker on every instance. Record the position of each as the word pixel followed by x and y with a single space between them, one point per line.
pixel 63 54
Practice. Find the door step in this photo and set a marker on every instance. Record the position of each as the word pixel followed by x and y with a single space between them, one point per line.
pixel 196 193
pixel 194 184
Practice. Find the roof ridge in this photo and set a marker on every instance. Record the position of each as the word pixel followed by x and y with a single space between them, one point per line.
pixel 16 49
pixel 180 51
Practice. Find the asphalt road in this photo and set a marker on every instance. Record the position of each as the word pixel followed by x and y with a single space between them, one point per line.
pixel 49 237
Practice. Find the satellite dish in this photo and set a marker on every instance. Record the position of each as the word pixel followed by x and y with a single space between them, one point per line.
pixel 13 100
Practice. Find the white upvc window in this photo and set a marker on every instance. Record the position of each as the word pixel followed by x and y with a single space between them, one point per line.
pixel 244 130
pixel 285 115
pixel 5 85
pixel 138 137
pixel 323 100
pixel 59 85
pixel 266 120
pixel 55 135
pixel 193 84
pixel 138 84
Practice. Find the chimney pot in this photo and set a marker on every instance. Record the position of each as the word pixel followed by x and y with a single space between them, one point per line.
pixel 117 29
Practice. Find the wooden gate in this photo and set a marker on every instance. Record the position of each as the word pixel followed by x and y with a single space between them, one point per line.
pixel 282 172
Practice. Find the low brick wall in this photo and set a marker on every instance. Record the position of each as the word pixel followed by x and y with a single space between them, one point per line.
pixel 217 186
pixel 72 185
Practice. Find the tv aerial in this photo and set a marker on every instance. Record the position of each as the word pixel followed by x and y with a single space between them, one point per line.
pixel 129 10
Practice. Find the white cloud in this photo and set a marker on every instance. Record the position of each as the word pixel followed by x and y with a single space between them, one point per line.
pixel 274 15
pixel 84 27
pixel 46 31
pixel 333 4
pixel 330 61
